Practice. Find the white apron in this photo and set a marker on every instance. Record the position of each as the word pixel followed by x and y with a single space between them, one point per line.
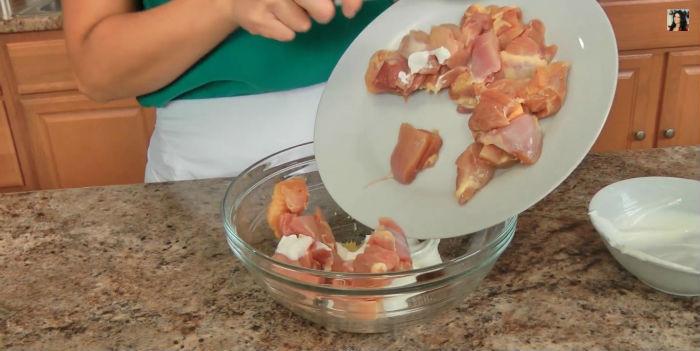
pixel 210 138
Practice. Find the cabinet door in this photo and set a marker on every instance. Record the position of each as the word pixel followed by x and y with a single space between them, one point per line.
pixel 78 142
pixel 679 123
pixel 635 108
pixel 10 173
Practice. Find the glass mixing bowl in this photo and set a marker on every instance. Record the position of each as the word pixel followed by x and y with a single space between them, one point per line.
pixel 386 302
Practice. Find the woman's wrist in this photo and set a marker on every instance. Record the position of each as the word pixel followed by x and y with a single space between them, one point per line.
pixel 224 9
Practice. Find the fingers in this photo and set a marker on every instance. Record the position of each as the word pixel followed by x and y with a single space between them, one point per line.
pixel 291 15
pixel 276 30
pixel 282 19
pixel 320 10
pixel 350 7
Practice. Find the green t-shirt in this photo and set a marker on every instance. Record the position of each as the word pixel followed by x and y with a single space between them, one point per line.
pixel 245 64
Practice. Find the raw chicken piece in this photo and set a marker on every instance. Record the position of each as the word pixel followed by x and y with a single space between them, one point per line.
pixel 422 54
pixel 430 83
pixel 527 52
pixel 356 308
pixel 289 196
pixel 450 37
pixel 364 265
pixel 524 45
pixel 303 251
pixel 325 232
pixel 443 79
pixel 401 243
pixel 316 256
pixel 431 66
pixel 511 87
pixel 285 222
pixel 522 138
pixel 388 72
pixel 465 91
pixel 386 250
pixel 521 58
pixel 485 57
pixel 546 92
pixel 314 226
pixel 475 21
pixel 345 255
pixel 494 110
pixel 377 258
pixel 341 265
pixel 535 30
pixel 415 150
pixel 304 277
pixel 473 173
pixel 414 41
pixel 474 9
pixel 497 157
pixel 360 282
pixel 507 23
pixel 417 82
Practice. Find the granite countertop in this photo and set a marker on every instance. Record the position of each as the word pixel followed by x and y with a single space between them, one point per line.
pixel 49 21
pixel 146 267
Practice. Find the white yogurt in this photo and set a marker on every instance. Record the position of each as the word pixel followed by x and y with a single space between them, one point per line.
pixel 424 254
pixel 419 59
pixel 294 246
pixel 321 246
pixel 405 78
pixel 348 255
pixel 442 54
pixel 670 238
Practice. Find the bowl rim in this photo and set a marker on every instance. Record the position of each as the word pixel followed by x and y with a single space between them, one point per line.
pixel 503 236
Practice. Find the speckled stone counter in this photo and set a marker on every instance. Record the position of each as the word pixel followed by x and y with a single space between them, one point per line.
pixel 52 21
pixel 146 267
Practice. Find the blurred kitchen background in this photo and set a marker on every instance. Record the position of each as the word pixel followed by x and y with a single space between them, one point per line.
pixel 52 136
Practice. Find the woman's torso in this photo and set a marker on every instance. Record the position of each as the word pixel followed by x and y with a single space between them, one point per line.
pixel 220 137
pixel 229 110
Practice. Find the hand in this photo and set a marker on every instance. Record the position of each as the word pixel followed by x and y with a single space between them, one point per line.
pixel 282 19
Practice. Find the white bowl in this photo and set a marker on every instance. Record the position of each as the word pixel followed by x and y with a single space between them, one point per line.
pixel 651 226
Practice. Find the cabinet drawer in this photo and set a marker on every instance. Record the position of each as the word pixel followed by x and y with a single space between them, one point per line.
pixel 41 66
pixel 78 142
pixel 10 173
pixel 641 24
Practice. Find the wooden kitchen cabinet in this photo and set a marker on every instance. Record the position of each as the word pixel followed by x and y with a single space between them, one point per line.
pixel 679 123
pixel 63 139
pixel 641 24
pixel 631 123
pixel 10 172
pixel 656 102
pixel 78 142
pixel 41 66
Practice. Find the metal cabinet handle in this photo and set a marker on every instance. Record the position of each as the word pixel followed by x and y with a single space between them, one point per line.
pixel 669 133
pixel 639 135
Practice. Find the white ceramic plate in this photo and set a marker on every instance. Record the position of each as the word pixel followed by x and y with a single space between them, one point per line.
pixel 651 226
pixel 356 131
